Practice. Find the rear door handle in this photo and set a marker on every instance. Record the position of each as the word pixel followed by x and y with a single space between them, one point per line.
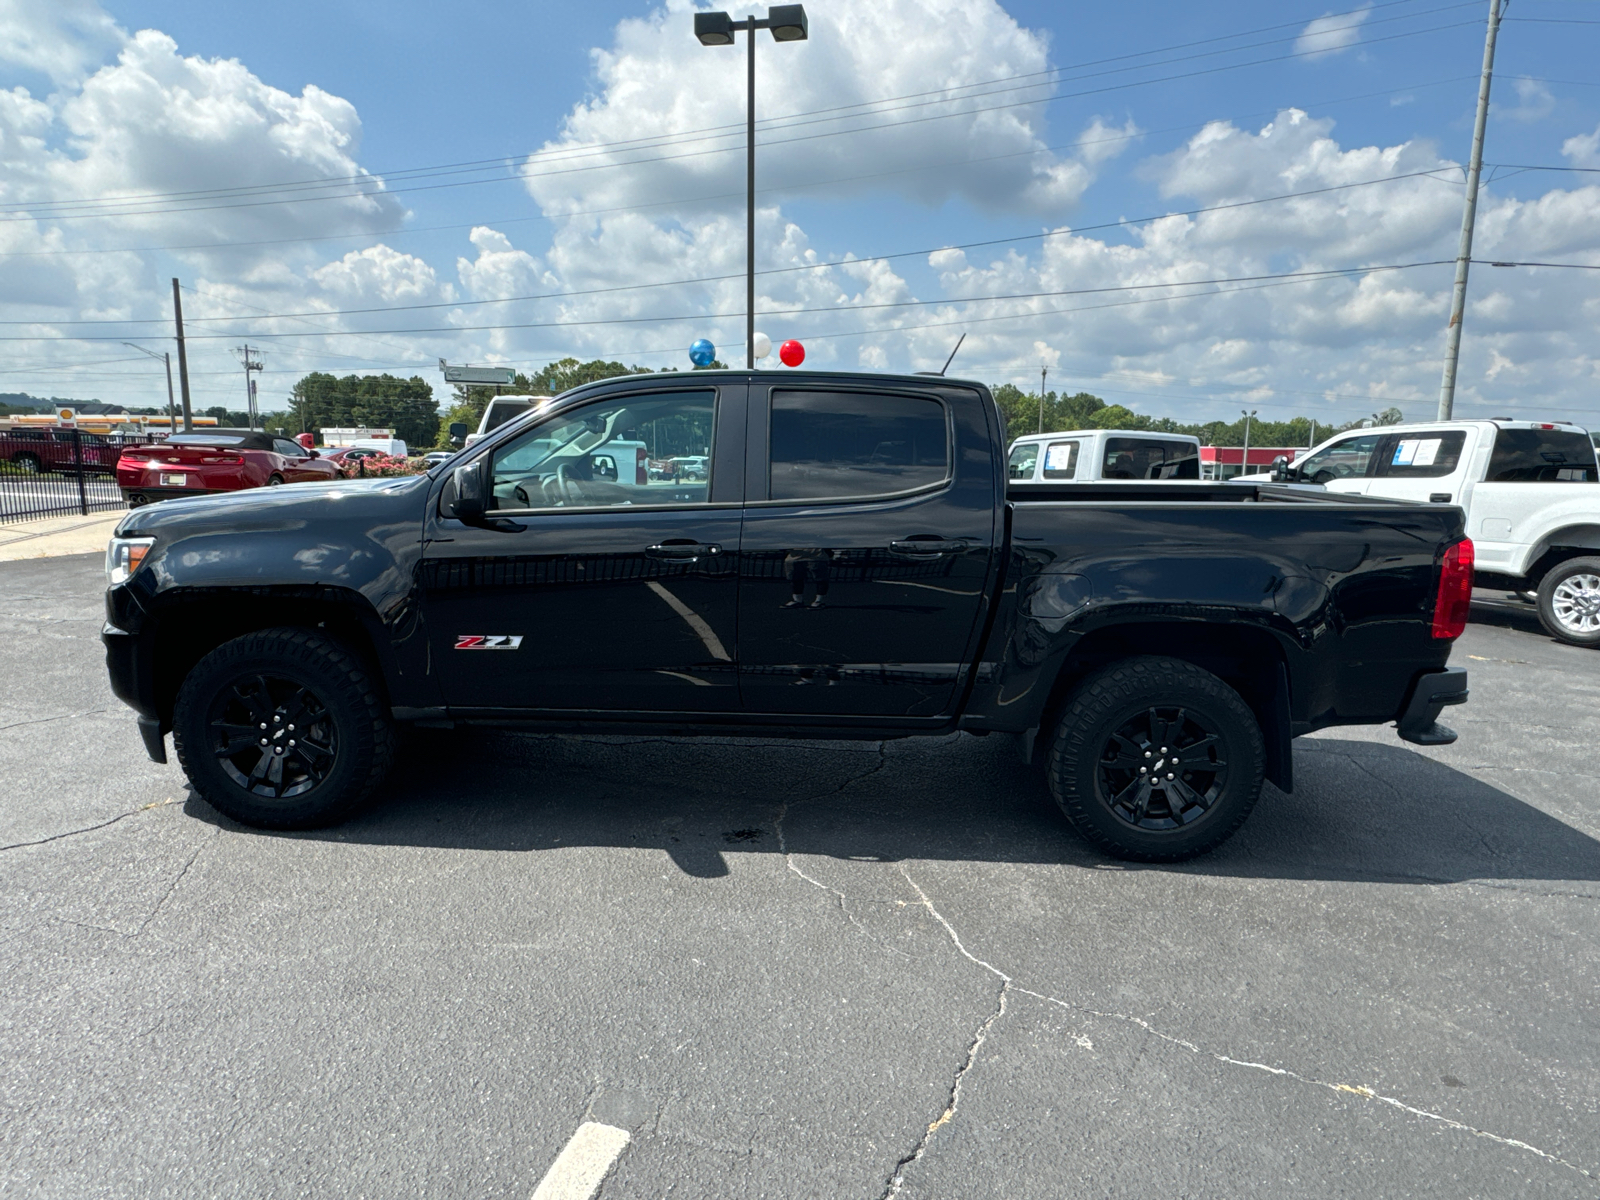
pixel 926 547
pixel 683 550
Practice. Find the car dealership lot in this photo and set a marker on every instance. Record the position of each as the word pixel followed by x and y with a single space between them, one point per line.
pixel 805 969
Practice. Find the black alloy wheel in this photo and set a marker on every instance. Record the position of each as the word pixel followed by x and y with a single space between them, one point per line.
pixel 283 729
pixel 273 736
pixel 1156 760
pixel 1162 769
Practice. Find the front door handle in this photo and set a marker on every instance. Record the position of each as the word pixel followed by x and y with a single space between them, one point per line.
pixel 927 546
pixel 683 550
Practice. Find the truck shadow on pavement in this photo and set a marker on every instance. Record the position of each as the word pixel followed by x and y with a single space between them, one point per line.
pixel 1362 811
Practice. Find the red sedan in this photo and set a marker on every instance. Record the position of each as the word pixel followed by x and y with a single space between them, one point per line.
pixel 218 460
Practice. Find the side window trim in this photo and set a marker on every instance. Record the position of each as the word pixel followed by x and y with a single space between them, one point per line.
pixel 758 462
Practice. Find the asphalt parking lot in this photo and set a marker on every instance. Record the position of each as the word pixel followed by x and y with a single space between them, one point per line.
pixel 796 970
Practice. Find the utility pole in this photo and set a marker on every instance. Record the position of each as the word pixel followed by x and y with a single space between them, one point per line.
pixel 1244 463
pixel 1042 371
pixel 1313 440
pixel 1458 301
pixel 183 358
pixel 250 364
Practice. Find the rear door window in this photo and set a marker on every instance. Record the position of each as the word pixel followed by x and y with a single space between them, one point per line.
pixel 855 445
pixel 1061 460
pixel 1150 458
pixel 1425 455
pixel 1542 456
pixel 1023 459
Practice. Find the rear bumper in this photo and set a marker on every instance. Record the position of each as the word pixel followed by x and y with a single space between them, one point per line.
pixel 1432 692
pixel 135 495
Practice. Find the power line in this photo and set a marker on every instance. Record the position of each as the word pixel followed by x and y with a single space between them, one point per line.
pixel 690 200
pixel 1303 275
pixel 656 141
pixel 702 153
pixel 1071 231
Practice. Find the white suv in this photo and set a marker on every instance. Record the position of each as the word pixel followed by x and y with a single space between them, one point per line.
pixel 1531 490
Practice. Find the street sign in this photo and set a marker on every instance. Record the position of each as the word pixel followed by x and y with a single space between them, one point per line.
pixel 483 376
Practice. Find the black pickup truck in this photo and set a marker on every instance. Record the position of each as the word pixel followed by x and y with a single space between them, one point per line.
pixel 801 554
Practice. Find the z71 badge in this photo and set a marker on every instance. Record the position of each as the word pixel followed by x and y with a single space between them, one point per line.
pixel 488 641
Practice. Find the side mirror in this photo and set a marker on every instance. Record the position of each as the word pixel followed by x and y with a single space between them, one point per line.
pixel 458 432
pixel 472 493
pixel 1280 469
pixel 312 452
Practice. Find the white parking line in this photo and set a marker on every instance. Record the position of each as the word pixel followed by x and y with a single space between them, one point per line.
pixel 583 1162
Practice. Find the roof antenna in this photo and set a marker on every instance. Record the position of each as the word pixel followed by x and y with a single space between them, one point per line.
pixel 952 357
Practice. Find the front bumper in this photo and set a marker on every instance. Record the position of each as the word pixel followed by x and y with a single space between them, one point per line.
pixel 131 684
pixel 1430 695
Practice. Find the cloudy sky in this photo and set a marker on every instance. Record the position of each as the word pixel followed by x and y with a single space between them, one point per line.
pixel 1187 209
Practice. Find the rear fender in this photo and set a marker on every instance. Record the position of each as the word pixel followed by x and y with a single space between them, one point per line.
pixel 1247 657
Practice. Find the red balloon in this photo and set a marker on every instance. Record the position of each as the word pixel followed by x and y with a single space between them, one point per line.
pixel 792 353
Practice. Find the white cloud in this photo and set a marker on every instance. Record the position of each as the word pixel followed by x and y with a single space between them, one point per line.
pixel 1331 34
pixel 58 38
pixel 657 82
pixel 1534 102
pixel 141 117
pixel 1584 149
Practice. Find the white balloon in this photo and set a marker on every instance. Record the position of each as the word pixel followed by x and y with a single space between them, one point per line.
pixel 762 345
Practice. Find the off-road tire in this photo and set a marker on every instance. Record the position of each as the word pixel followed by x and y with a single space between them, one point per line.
pixel 362 734
pixel 1135 690
pixel 28 464
pixel 1554 578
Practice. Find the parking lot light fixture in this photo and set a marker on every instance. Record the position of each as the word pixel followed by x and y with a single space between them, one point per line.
pixel 788 24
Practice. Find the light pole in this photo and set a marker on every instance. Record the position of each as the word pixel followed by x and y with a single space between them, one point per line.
pixel 172 410
pixel 788 24
pixel 1249 415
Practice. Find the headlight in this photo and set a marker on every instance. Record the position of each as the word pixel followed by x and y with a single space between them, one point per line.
pixel 123 557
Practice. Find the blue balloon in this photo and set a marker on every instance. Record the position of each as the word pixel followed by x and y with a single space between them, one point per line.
pixel 702 353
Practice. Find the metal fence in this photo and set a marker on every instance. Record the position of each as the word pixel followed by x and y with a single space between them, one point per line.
pixel 60 472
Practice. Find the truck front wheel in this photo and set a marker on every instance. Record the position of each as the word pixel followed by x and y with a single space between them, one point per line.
pixel 282 729
pixel 1156 760
pixel 1569 601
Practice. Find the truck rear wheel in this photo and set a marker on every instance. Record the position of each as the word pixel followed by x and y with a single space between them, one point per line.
pixel 1156 760
pixel 282 729
pixel 1569 601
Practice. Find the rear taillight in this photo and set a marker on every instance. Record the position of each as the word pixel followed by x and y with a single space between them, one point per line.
pixel 1455 591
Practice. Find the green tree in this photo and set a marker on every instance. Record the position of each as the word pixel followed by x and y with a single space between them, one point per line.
pixel 407 406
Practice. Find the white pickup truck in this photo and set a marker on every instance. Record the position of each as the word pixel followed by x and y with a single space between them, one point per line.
pixel 1090 455
pixel 1531 491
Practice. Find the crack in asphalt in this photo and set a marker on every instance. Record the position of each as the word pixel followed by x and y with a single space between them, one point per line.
pixel 173 886
pixel 1359 1090
pixel 93 712
pixel 788 855
pixel 897 1180
pixel 56 837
